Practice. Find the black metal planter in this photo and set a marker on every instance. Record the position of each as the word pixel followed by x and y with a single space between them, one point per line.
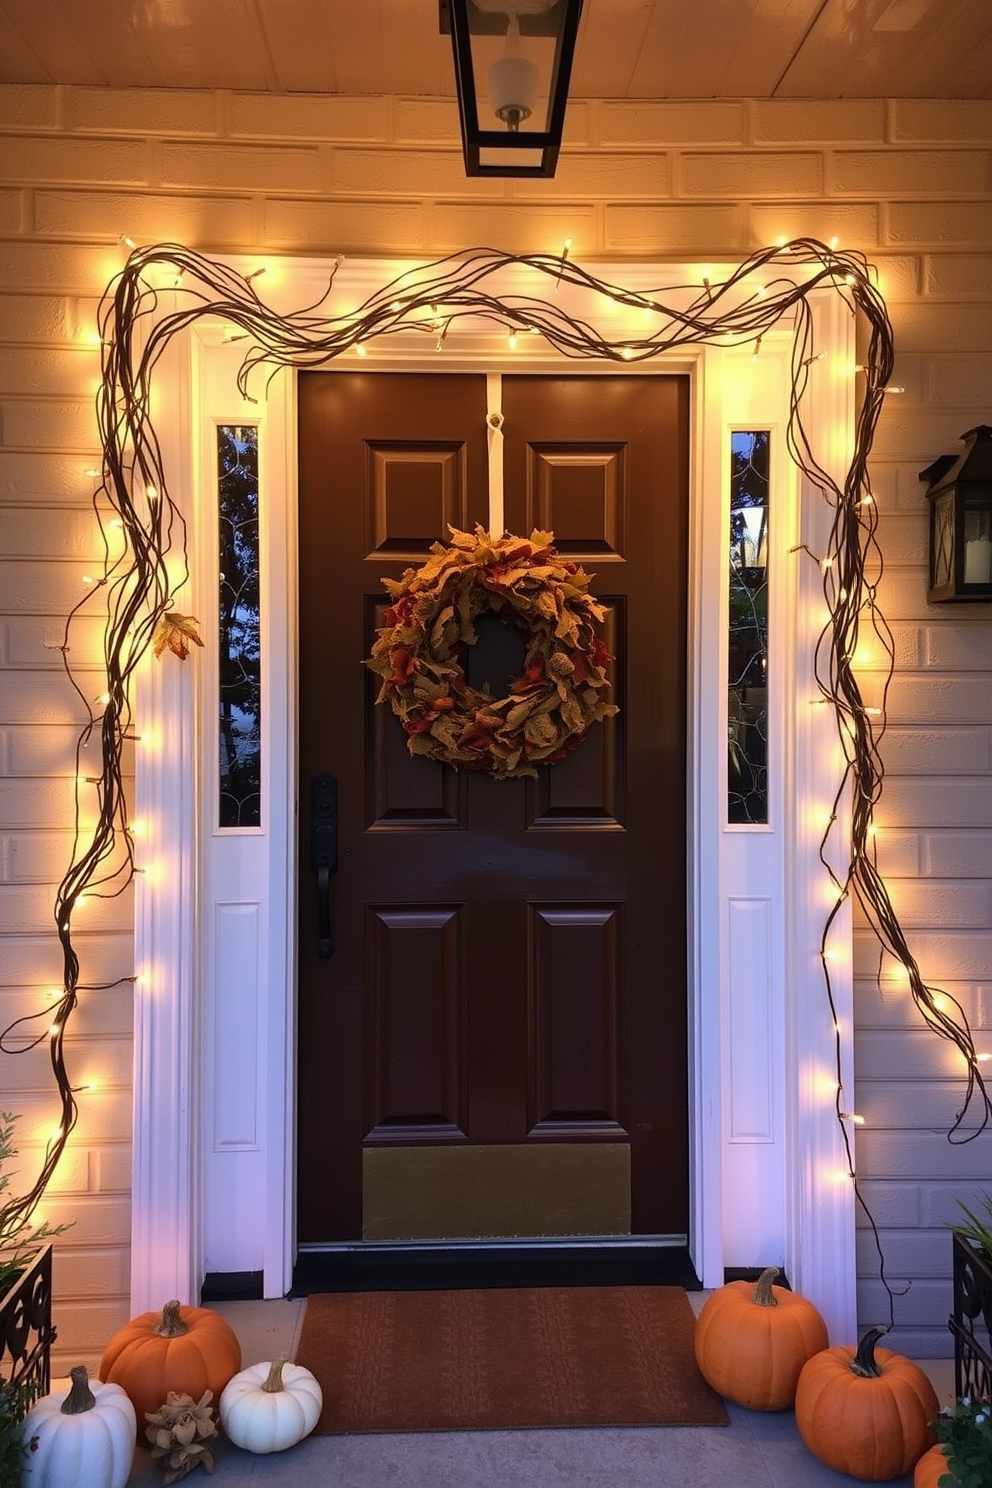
pixel 26 1332
pixel 971 1322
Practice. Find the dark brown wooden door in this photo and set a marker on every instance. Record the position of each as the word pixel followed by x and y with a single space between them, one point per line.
pixel 503 1018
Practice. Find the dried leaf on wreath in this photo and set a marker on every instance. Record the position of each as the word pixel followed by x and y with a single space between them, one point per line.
pixel 175 632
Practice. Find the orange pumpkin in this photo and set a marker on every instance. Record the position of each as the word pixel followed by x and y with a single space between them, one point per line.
pixel 931 1468
pixel 864 1413
pixel 753 1339
pixel 187 1349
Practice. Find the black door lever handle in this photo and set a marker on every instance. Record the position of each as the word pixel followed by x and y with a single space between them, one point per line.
pixel 324 853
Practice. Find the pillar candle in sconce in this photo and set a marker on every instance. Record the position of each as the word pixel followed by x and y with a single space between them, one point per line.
pixel 978 561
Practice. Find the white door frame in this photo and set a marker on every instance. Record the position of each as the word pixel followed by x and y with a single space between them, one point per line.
pixel 214 1119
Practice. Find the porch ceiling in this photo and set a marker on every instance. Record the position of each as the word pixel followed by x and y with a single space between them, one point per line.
pixel 626 49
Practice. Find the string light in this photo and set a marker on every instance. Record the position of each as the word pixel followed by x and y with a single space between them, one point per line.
pixel 139 586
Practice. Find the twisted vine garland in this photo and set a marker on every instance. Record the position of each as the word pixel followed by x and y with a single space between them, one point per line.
pixel 771 288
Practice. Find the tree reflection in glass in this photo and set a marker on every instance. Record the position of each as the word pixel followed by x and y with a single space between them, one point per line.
pixel 747 702
pixel 240 640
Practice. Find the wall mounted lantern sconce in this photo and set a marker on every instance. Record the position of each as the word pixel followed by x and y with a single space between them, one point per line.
pixel 959 489
pixel 513 60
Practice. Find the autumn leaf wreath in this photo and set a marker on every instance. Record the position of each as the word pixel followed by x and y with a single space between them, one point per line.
pixel 563 688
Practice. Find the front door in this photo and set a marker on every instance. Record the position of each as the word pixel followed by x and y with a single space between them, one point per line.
pixel 496 1044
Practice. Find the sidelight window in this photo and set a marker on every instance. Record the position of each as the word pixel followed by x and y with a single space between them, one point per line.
pixel 239 659
pixel 747 699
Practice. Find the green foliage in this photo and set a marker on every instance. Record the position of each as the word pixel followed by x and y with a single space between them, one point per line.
pixel 19 1239
pixel 965 1429
pixel 976 1229
pixel 15 1401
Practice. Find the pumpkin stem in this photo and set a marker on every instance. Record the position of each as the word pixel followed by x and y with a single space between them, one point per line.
pixel 763 1294
pixel 80 1397
pixel 172 1325
pixel 864 1362
pixel 273 1384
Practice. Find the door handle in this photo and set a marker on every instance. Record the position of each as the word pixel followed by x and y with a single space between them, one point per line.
pixel 324 853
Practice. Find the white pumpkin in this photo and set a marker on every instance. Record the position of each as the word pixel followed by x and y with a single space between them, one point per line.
pixel 84 1434
pixel 269 1407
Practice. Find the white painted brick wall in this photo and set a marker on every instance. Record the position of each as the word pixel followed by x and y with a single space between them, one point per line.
pixel 906 182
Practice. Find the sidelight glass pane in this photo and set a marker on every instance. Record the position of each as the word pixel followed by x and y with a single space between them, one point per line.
pixel 747 702
pixel 239 670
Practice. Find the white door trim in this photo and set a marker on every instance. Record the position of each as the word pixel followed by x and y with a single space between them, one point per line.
pixel 767 1195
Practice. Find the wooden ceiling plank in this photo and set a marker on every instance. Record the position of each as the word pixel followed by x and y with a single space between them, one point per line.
pixel 727 49
pixel 46 37
pixel 216 45
pixel 886 48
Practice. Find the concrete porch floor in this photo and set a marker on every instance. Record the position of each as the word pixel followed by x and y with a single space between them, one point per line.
pixel 757 1450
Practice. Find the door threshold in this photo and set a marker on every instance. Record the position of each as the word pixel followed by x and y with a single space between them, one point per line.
pixel 378 1266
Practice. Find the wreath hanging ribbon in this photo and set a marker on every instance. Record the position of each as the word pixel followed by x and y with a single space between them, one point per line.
pixel 563 688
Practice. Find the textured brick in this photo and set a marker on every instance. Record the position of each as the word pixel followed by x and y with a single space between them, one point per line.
pixel 56 533
pixel 961 382
pixel 608 176
pixel 913 1055
pixel 938 699
pixel 514 227
pixel 957 854
pixel 29 910
pixel 915 173
pixel 947 223
pixel 668 230
pixel 365 172
pixel 48 750
pixel 29 106
pixel 815 120
pixel 58 372
pixel 310 116
pixel 64 268
pixel 908 1252
pixel 898 276
pixel 929 327
pixel 958 645
pixel 35 318
pixel 230 167
pixel 939 1203
pixel 86 1326
pixel 40 589
pixel 12 212
pixel 854 226
pixel 104 161
pixel 927 802
pixel 199 221
pixel 930 751
pixel 98 1015
pixel 922 1154
pixel 423 121
pixel 49 424
pixel 34 857
pixel 345 227
pixel 140 111
pixel 930 120
pixel 750 174
pixel 959 274
pixel 27 642
pixel 717 121
pixel 90 1272
pixel 891 1203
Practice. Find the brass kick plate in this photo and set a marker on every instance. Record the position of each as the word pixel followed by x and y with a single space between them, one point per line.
pixel 551 1188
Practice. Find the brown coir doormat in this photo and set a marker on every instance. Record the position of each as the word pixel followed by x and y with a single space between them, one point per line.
pixel 503 1358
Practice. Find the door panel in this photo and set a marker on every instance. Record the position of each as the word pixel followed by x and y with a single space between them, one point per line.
pixel 509 964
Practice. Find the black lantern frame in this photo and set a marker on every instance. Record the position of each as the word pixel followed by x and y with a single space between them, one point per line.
pixel 463 19
pixel 959 491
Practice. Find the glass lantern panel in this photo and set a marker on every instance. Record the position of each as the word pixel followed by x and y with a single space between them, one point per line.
pixel 747 700
pixel 942 546
pixel 978 544
pixel 239 661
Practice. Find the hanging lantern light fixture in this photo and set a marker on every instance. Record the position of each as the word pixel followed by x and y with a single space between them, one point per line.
pixel 513 61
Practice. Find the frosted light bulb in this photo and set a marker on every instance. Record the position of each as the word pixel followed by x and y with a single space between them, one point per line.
pixel 513 82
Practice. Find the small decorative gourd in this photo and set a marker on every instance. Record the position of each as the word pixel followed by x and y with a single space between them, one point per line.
pixel 864 1412
pixel 83 1435
pixel 931 1468
pixel 752 1340
pixel 183 1349
pixel 269 1407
